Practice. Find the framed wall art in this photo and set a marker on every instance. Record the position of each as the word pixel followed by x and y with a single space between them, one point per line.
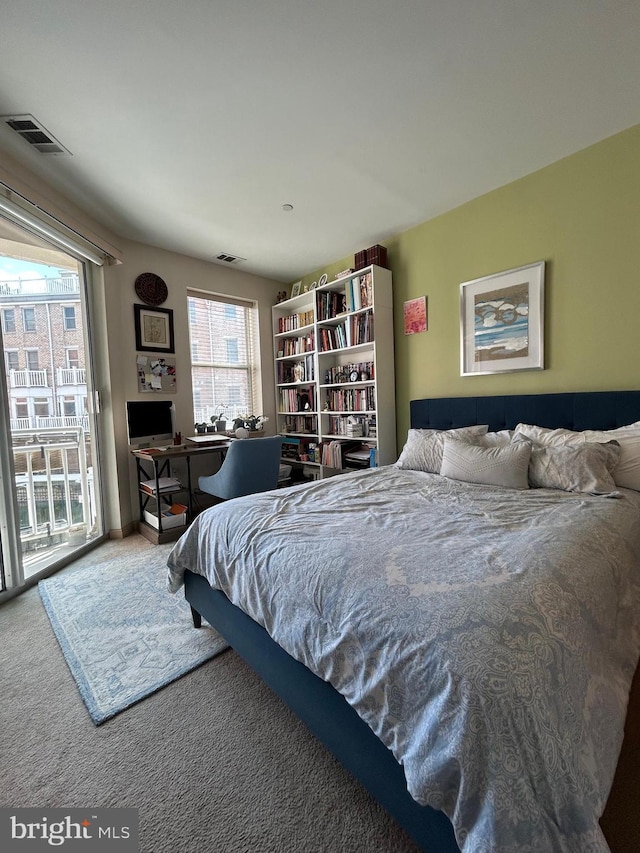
pixel 502 322
pixel 415 315
pixel 154 329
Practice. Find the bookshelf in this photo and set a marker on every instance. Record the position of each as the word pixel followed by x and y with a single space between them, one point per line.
pixel 334 368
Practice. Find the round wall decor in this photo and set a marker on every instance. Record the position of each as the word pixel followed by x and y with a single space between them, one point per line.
pixel 151 289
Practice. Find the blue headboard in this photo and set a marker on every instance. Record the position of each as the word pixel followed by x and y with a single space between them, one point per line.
pixel 577 411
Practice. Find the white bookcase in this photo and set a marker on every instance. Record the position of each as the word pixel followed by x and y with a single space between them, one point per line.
pixel 334 369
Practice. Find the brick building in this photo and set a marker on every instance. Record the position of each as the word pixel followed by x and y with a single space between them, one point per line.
pixel 44 351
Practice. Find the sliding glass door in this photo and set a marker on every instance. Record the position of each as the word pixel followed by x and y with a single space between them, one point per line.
pixel 49 474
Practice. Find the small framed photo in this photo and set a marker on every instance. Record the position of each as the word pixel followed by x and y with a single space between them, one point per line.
pixel 154 329
pixel 415 315
pixel 502 322
pixel 295 289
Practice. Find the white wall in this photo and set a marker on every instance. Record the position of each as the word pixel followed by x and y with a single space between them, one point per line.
pixel 114 331
pixel 179 273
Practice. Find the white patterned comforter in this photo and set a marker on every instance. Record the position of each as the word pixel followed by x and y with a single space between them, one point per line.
pixel 487 636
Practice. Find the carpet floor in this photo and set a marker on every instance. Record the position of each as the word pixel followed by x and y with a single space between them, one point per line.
pixel 214 762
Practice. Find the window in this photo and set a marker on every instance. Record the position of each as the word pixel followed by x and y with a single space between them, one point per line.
pixel 41 407
pixel 9 320
pixel 234 395
pixel 22 407
pixel 224 367
pixel 33 362
pixel 29 319
pixel 232 350
pixel 13 359
pixel 73 357
pixel 69 407
pixel 69 317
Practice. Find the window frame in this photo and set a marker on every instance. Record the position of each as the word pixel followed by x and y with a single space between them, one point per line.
pixel 28 311
pixel 247 343
pixel 66 318
pixel 9 312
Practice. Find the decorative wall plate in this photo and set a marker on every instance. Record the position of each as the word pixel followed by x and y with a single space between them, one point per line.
pixel 151 289
pixel 322 280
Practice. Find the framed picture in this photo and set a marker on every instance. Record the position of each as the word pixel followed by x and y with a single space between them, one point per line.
pixel 415 315
pixel 502 322
pixel 295 289
pixel 154 329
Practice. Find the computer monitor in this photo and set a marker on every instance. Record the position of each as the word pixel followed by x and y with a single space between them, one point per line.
pixel 150 422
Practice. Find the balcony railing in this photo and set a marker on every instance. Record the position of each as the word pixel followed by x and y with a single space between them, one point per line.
pixel 71 376
pixel 39 423
pixel 54 486
pixel 28 379
pixel 38 286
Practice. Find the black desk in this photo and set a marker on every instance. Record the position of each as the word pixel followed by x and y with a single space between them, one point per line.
pixel 155 462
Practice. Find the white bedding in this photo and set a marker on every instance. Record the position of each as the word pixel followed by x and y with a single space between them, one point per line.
pixel 488 636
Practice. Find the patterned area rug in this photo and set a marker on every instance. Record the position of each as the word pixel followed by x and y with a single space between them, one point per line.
pixel 123 635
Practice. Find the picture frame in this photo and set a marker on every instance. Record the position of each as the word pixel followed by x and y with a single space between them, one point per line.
pixel 154 329
pixel 295 289
pixel 414 313
pixel 502 322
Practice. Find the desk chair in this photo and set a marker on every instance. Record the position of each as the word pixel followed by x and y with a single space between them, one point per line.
pixel 251 465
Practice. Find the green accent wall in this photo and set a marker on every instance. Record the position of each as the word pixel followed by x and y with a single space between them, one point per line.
pixel 581 215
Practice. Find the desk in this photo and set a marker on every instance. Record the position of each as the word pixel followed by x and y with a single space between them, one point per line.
pixel 154 463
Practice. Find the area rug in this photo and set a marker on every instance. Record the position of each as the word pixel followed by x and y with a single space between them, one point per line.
pixel 122 633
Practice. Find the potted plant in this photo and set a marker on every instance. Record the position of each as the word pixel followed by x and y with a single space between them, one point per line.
pixel 219 421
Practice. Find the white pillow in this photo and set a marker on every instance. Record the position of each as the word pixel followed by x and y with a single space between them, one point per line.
pixel 583 467
pixel 495 439
pixel 423 448
pixel 626 474
pixel 493 466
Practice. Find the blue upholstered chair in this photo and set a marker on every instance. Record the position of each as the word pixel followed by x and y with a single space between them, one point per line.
pixel 251 465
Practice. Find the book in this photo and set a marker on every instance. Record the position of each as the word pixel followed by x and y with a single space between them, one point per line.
pixel 165 484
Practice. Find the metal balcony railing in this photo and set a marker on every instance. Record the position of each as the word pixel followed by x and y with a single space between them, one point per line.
pixel 28 379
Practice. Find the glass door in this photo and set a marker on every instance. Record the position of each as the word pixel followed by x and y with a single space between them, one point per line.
pixel 49 472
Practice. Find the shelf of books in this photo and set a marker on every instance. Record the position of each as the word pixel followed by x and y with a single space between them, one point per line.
pixel 335 384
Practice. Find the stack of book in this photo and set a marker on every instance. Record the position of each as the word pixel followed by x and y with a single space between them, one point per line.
pixel 164 485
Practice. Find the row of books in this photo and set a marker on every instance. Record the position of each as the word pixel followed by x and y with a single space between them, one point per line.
pixel 343 372
pixel 296 346
pixel 359 292
pixel 351 400
pixel 299 371
pixel 330 304
pixel 356 329
pixel 339 425
pixel 300 423
pixel 296 400
pixel 295 321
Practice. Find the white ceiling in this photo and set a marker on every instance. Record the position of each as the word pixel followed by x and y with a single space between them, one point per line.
pixel 191 122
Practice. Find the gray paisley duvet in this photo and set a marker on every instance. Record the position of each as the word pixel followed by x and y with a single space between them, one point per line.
pixel 487 636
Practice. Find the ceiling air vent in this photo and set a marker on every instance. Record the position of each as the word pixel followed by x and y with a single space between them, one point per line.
pixel 35 134
pixel 230 259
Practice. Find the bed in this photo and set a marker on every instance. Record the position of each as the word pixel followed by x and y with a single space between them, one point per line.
pixel 466 650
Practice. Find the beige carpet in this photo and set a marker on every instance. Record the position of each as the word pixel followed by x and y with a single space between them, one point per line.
pixel 214 762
